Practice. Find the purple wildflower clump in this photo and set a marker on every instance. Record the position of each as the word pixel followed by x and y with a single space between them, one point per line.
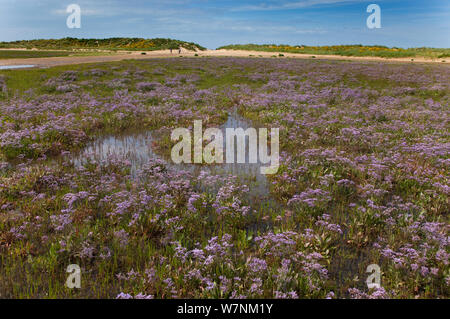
pixel 311 197
pixel 61 221
pixel 377 293
pixel 129 296
pixel 257 266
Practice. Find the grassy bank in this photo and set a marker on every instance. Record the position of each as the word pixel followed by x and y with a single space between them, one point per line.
pixel 104 44
pixel 346 50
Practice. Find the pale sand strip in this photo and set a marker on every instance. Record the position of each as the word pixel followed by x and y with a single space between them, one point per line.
pixel 56 61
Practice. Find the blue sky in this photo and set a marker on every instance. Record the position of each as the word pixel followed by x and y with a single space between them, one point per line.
pixel 213 23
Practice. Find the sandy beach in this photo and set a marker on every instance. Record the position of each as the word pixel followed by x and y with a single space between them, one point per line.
pixel 126 55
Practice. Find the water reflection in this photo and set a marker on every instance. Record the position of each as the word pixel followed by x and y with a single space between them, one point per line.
pixel 134 147
pixel 137 148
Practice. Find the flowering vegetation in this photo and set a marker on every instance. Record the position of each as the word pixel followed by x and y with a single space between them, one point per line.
pixel 363 179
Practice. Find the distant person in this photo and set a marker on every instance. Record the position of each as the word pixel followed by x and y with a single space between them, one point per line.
pixel 179 50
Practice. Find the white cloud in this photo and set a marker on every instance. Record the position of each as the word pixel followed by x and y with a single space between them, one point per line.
pixel 291 5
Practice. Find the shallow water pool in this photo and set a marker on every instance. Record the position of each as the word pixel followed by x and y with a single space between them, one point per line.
pixel 137 149
pixel 10 67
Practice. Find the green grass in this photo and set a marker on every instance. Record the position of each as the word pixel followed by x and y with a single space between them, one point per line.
pixel 20 54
